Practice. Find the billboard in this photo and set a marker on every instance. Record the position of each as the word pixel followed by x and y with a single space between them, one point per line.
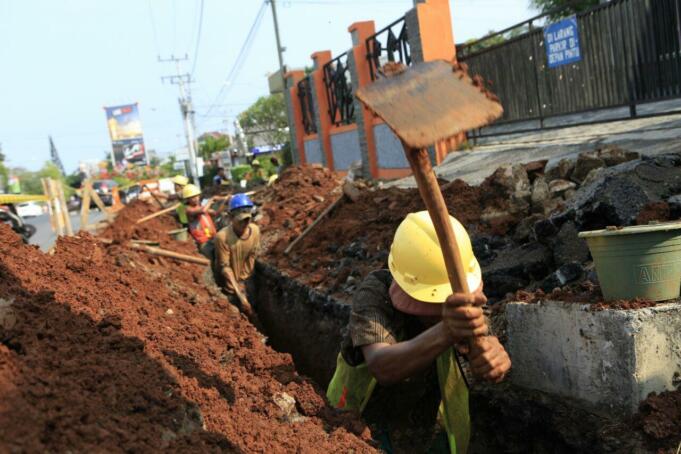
pixel 125 129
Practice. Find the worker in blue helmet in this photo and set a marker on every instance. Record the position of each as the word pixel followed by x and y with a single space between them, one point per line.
pixel 236 247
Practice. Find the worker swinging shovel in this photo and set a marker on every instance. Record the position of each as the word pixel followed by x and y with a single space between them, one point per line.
pixel 426 308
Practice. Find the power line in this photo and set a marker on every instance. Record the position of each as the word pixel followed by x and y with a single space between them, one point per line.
pixel 153 29
pixel 198 39
pixel 241 57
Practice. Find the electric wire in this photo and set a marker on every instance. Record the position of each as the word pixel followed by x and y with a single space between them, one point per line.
pixel 240 59
pixel 198 39
pixel 153 29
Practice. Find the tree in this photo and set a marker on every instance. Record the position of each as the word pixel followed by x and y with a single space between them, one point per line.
pixel 576 6
pixel 30 181
pixel 266 119
pixel 210 143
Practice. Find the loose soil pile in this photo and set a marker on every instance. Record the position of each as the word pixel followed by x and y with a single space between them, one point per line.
pixel 294 201
pixel 355 238
pixel 585 292
pixel 660 420
pixel 101 349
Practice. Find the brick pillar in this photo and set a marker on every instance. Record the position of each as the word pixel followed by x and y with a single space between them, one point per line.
pixel 321 104
pixel 294 114
pixel 431 38
pixel 361 76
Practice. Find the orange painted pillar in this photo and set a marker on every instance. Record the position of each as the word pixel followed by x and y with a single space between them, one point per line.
pixel 295 114
pixel 360 31
pixel 437 43
pixel 322 104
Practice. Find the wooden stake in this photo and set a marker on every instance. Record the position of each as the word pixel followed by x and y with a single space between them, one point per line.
pixel 50 211
pixel 65 209
pixel 99 203
pixel 59 219
pixel 157 214
pixel 85 205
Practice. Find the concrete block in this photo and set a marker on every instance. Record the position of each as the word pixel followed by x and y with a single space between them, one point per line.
pixel 313 152
pixel 389 149
pixel 346 149
pixel 607 360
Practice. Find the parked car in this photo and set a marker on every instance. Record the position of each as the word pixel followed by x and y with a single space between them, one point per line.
pixel 105 190
pixel 29 209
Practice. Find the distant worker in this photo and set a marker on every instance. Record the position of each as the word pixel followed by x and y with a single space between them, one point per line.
pixel 180 181
pixel 257 175
pixel 276 165
pixel 219 177
pixel 236 247
pixel 402 340
pixel 276 170
pixel 201 226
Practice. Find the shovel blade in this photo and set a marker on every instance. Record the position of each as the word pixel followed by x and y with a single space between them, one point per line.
pixel 430 102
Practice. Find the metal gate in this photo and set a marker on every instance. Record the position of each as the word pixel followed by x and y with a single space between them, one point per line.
pixel 630 55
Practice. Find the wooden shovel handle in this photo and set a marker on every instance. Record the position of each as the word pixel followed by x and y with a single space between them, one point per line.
pixel 435 203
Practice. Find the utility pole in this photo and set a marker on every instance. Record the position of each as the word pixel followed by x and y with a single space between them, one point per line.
pixel 280 49
pixel 185 100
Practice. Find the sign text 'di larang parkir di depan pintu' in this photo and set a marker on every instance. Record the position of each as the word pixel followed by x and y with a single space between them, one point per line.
pixel 561 40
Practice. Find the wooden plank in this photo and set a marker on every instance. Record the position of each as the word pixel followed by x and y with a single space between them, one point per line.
pixel 309 228
pixel 170 254
pixel 157 214
pixel 50 211
pixel 99 203
pixel 56 207
pixel 85 205
pixel 61 199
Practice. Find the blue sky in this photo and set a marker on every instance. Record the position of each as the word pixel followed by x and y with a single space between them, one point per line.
pixel 63 60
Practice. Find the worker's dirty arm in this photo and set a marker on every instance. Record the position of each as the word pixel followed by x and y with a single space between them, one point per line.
pixel 228 273
pixel 393 363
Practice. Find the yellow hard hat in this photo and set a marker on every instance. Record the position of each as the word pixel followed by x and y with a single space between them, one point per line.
pixel 416 260
pixel 190 191
pixel 272 179
pixel 255 162
pixel 180 180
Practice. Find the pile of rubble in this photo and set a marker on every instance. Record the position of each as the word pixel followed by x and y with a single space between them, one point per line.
pixel 293 202
pixel 101 348
pixel 523 221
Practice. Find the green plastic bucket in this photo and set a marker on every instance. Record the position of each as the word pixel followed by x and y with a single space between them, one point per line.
pixel 638 262
pixel 179 234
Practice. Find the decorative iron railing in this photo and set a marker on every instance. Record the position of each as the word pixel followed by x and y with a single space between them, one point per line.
pixel 338 83
pixel 389 44
pixel 306 105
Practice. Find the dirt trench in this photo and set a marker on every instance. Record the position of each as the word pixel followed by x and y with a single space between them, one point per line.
pixel 105 348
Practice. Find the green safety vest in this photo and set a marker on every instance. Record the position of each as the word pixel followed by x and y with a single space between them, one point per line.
pixel 182 214
pixel 351 387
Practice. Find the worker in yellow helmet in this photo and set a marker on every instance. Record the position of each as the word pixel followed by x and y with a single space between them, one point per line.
pixel 180 181
pixel 201 225
pixel 257 175
pixel 406 330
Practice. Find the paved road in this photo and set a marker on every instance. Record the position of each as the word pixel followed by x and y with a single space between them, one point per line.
pixel 45 237
pixel 650 136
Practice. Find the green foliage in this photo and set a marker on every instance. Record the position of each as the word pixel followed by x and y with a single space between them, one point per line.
pixel 30 181
pixel 267 118
pixel 495 40
pixel 286 155
pixel 210 144
pixel 576 6
pixel 167 168
pixel 239 172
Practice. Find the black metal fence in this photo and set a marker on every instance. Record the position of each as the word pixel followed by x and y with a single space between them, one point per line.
pixel 630 55
pixel 390 44
pixel 307 105
pixel 338 83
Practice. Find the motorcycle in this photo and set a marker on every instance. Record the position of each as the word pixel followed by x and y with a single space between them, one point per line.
pixel 9 215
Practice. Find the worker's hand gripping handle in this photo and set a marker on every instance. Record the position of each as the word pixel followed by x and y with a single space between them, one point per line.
pixel 419 160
